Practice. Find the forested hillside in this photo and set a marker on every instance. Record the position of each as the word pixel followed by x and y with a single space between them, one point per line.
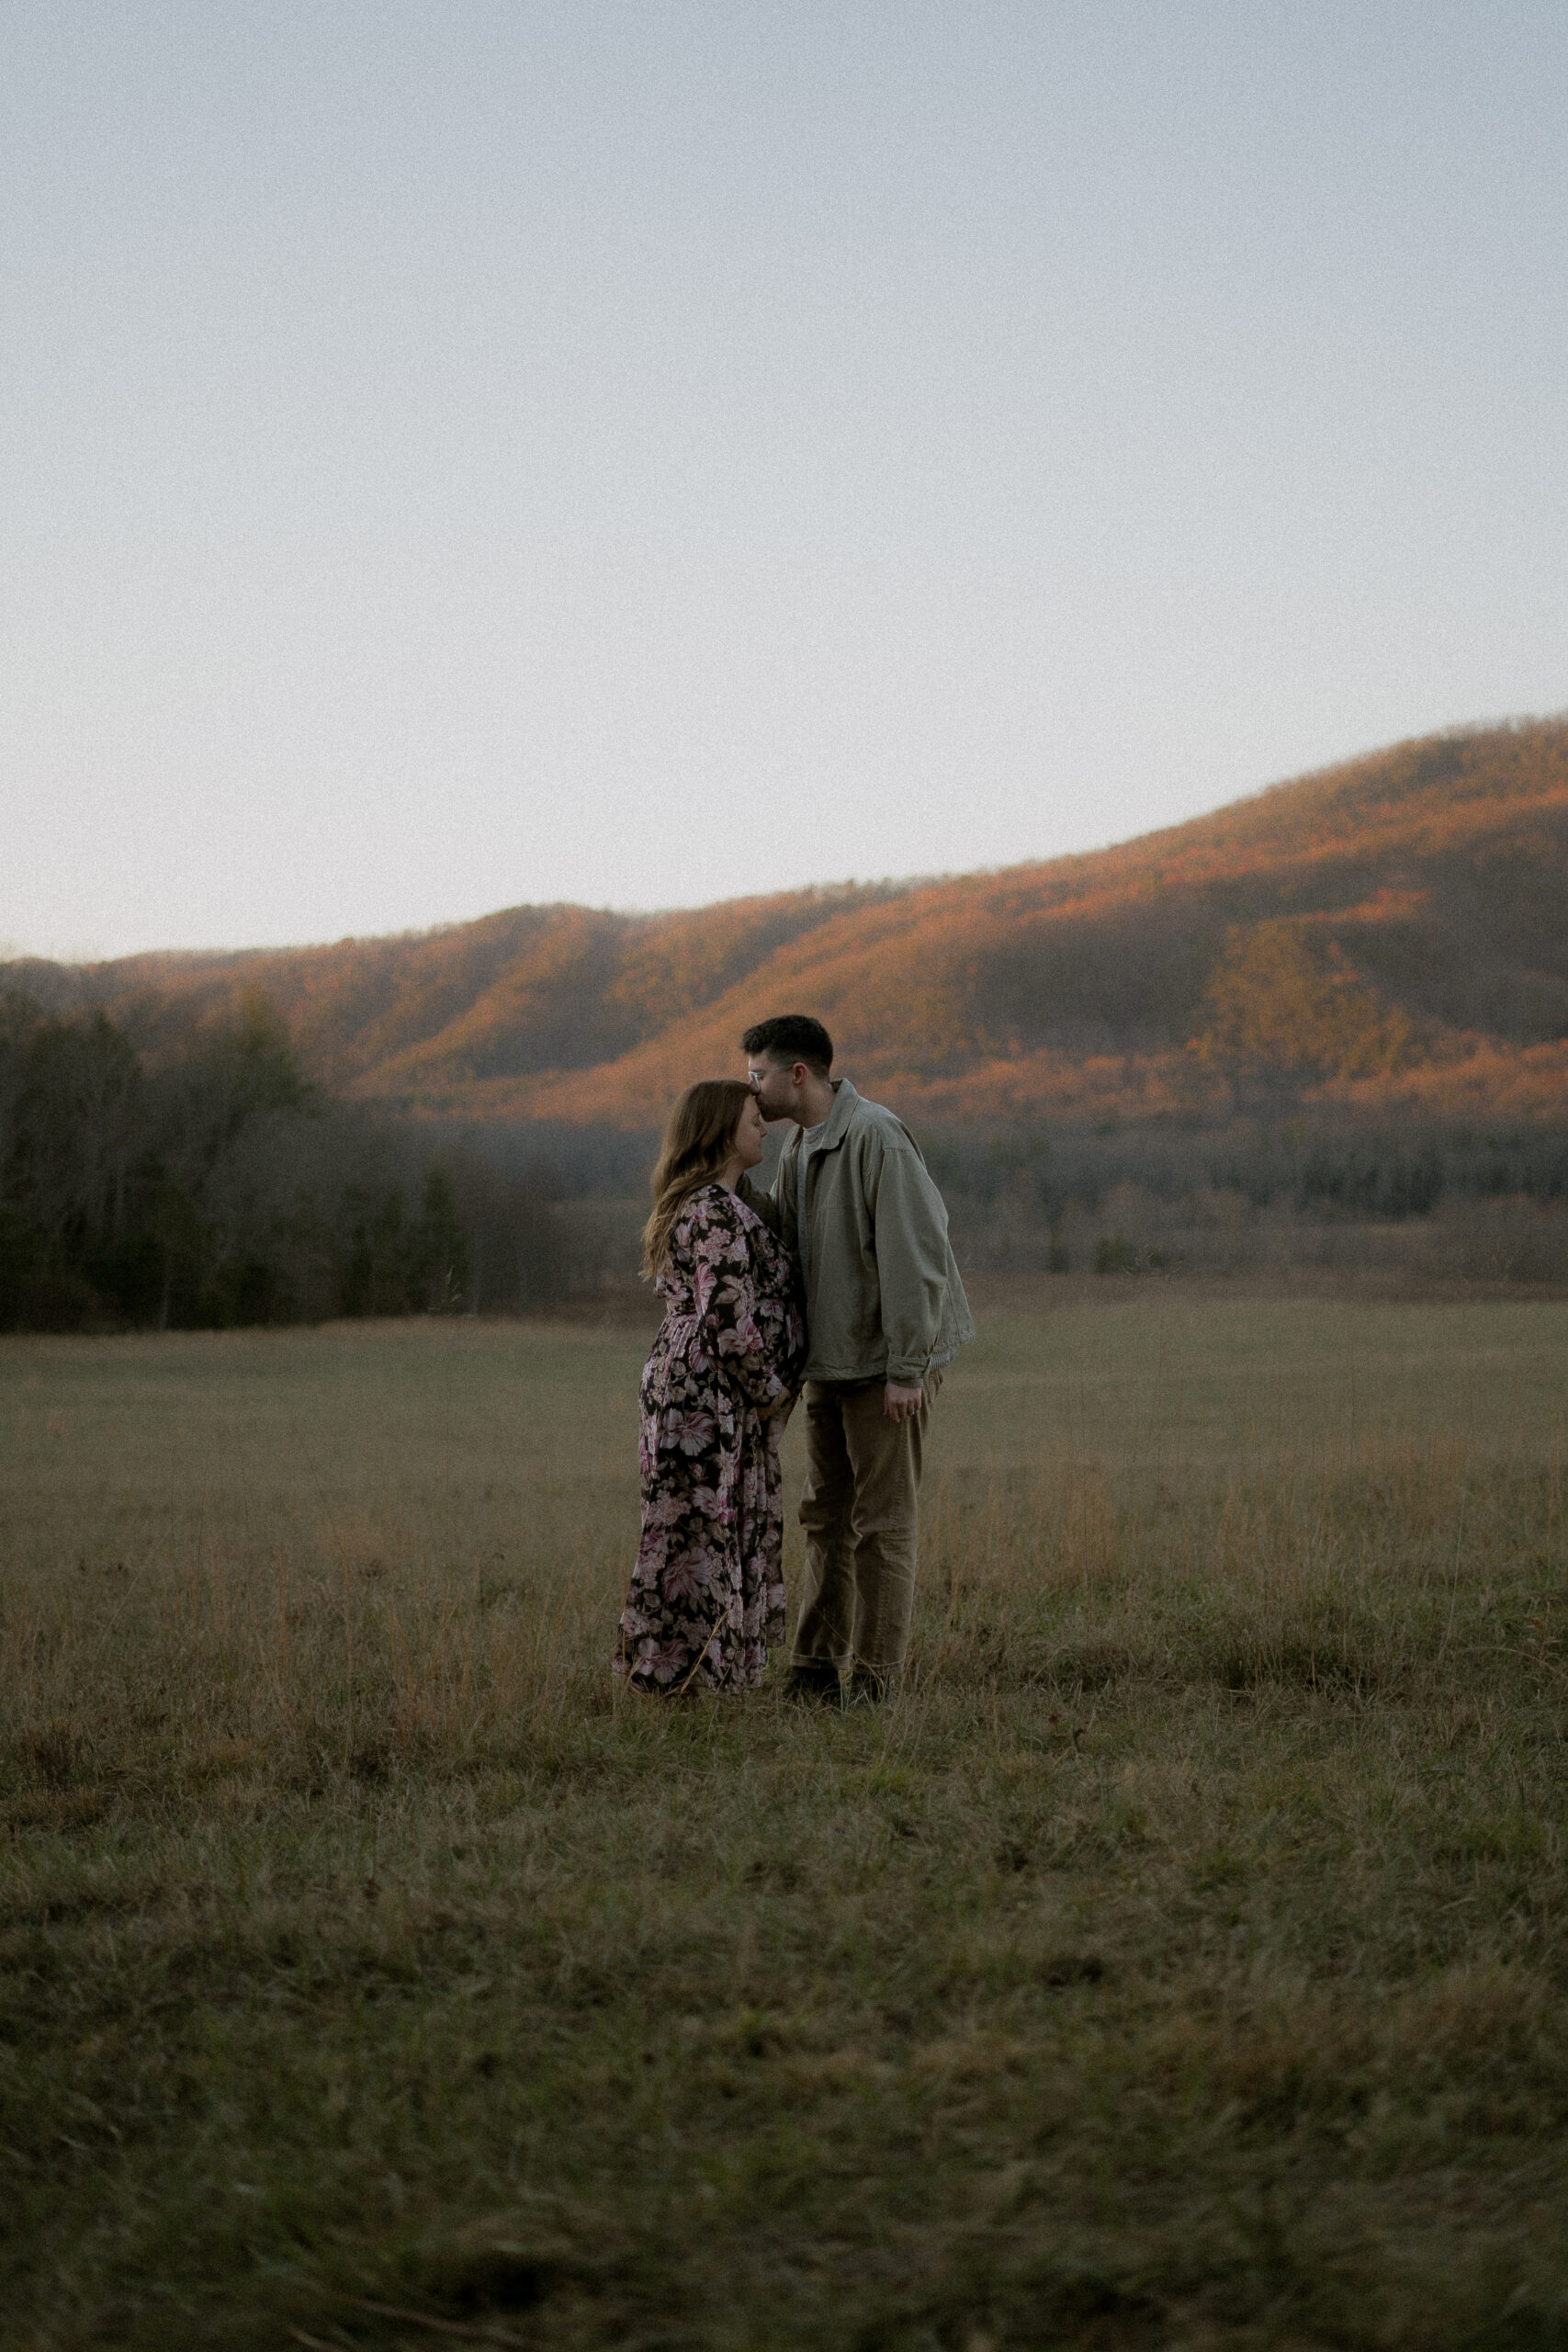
pixel 1325 1028
pixel 1393 931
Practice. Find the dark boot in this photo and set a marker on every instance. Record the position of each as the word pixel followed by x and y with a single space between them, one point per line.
pixel 811 1685
pixel 870 1687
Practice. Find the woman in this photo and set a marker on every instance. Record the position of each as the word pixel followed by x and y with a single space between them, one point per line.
pixel 706 1595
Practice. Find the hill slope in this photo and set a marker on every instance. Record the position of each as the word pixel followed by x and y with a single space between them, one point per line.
pixel 1393 928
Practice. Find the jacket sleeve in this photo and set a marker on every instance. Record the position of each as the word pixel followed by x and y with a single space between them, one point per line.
pixel 909 1224
pixel 727 1302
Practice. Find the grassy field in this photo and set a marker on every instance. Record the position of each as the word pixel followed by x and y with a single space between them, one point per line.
pixel 1180 1963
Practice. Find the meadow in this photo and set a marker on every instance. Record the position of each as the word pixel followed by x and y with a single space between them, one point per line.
pixel 1180 1963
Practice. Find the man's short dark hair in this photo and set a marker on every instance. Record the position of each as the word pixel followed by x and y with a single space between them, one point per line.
pixel 792 1037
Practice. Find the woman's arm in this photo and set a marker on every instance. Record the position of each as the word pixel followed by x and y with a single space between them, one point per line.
pixel 762 1204
pixel 727 1302
pixel 778 1205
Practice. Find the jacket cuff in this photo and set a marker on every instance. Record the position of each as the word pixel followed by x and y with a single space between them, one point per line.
pixel 909 1374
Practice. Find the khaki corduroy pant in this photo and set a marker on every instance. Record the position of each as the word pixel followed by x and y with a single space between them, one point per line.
pixel 859 1510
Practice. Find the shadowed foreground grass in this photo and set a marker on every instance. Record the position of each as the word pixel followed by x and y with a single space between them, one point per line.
pixel 1180 1963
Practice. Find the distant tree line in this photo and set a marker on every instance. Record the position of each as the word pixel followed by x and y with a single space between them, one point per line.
pixel 211 1185
pixel 1326 1165
pixel 1320 1161
pixel 1285 1185
pixel 1324 1189
pixel 195 1179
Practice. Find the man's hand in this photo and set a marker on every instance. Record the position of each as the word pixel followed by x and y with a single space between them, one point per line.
pixel 900 1404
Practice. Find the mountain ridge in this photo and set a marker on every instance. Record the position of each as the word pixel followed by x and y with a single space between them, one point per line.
pixel 1391 928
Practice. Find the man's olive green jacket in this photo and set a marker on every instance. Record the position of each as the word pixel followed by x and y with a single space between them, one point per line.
pixel 882 1293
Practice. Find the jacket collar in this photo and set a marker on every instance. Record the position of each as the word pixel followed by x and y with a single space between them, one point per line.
pixel 837 1121
pixel 839 1117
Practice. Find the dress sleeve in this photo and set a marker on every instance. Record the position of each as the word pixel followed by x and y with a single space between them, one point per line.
pixel 727 1302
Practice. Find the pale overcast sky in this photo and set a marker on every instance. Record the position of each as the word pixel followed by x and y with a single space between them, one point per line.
pixel 462 453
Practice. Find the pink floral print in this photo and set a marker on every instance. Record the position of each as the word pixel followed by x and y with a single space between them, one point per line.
pixel 706 1601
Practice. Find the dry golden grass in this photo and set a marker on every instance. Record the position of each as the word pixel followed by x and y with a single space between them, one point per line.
pixel 1180 1963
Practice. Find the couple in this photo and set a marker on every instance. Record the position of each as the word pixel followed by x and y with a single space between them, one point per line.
pixel 841 1279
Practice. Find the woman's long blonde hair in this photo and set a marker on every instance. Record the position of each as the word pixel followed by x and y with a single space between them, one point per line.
pixel 697 1142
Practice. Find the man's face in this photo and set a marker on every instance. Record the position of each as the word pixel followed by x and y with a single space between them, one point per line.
pixel 776 1087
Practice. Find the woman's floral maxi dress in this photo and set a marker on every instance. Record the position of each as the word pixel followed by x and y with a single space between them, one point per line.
pixel 707 1596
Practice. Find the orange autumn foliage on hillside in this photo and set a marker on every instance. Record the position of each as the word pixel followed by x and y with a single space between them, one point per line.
pixel 1384 931
pixel 1275 1003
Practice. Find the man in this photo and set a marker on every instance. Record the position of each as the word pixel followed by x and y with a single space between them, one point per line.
pixel 886 1311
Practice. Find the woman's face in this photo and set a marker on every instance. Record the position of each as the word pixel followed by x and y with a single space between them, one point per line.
pixel 750 1135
